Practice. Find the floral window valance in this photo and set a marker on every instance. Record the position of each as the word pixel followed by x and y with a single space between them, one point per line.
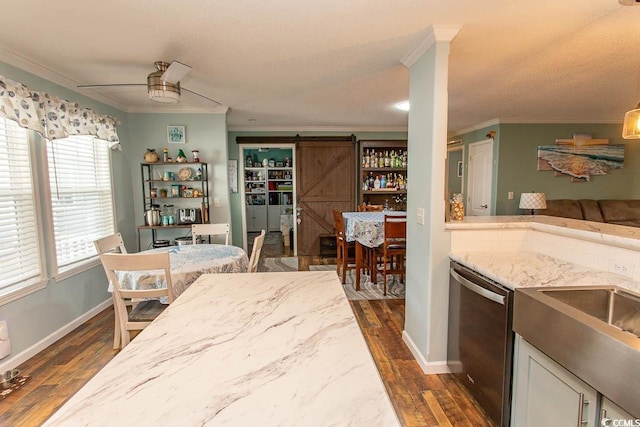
pixel 51 116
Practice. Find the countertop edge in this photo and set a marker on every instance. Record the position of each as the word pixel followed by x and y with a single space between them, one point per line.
pixel 610 234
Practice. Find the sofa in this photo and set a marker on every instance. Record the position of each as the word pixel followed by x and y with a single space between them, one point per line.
pixel 620 212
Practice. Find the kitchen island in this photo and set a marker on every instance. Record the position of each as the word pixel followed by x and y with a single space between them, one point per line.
pixel 267 349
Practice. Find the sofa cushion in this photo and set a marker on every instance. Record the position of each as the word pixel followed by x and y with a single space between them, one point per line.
pixel 565 208
pixel 621 212
pixel 591 210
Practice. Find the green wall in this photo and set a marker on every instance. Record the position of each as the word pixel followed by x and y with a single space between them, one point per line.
pixel 454 182
pixel 206 133
pixel 515 169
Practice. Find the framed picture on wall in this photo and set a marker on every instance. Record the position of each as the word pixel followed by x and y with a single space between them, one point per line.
pixel 176 134
pixel 459 170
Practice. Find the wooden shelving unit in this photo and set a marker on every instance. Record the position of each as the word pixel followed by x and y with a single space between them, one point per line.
pixel 182 192
pixel 392 167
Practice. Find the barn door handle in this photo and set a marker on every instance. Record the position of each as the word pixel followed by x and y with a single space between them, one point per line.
pixel 298 210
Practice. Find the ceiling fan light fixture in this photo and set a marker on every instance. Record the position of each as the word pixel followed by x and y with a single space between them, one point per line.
pixel 160 90
pixel 631 125
pixel 165 95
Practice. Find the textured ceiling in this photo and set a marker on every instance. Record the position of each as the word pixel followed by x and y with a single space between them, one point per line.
pixel 329 64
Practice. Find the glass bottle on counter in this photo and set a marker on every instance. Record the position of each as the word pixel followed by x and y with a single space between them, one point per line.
pixel 169 215
pixel 457 207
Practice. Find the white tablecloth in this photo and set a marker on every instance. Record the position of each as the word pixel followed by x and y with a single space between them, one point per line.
pixel 188 262
pixel 366 227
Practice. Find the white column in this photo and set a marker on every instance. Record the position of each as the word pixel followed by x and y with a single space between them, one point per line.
pixel 428 245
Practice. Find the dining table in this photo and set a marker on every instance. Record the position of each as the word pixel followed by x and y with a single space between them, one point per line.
pixel 365 229
pixel 187 263
pixel 243 349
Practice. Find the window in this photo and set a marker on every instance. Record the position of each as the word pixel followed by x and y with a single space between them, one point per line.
pixel 81 197
pixel 20 261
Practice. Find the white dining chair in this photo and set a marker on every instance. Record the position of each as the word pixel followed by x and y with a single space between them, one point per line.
pixel 113 244
pixel 149 306
pixel 210 230
pixel 255 253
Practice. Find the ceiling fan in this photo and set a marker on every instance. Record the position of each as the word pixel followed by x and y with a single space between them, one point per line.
pixel 163 85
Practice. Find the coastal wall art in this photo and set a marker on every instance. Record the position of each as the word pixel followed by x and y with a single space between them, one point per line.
pixel 580 157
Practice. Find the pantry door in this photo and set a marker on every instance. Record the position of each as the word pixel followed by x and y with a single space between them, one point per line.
pixel 326 171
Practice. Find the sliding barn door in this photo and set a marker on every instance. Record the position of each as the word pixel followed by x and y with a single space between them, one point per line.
pixel 326 173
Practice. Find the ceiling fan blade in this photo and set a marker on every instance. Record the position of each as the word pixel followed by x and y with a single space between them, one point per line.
pixel 113 84
pixel 175 72
pixel 201 96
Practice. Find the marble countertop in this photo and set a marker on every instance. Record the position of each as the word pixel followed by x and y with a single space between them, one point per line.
pixel 611 234
pixel 528 269
pixel 267 349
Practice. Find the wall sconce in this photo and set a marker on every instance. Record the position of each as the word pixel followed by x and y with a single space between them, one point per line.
pixel 533 201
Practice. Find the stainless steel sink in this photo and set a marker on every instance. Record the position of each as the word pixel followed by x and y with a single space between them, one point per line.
pixel 616 307
pixel 593 331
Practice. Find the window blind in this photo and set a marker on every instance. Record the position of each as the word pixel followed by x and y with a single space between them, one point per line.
pixel 81 196
pixel 19 243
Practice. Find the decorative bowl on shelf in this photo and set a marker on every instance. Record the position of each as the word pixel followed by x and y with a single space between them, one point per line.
pixel 185 173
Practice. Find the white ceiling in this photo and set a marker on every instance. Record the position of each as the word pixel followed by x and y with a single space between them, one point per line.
pixel 336 65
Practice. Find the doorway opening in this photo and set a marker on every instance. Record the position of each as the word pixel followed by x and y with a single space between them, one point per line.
pixel 268 182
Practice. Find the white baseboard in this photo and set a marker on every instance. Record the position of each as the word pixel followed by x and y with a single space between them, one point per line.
pixel 439 367
pixel 28 353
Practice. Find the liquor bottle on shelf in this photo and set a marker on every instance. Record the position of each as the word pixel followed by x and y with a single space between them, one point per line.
pixel 376 183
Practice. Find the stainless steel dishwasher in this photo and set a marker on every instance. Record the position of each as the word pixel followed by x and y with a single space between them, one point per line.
pixel 480 345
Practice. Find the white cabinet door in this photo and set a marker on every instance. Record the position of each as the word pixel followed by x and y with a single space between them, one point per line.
pixel 546 394
pixel 256 217
pixel 274 218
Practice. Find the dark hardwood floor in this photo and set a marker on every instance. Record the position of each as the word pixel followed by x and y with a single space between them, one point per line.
pixel 419 400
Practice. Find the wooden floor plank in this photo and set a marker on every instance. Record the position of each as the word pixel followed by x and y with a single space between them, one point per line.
pixel 434 405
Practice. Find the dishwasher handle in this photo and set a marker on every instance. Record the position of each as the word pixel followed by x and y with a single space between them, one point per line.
pixel 486 293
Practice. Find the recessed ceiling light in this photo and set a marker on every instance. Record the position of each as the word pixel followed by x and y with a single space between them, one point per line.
pixel 402 106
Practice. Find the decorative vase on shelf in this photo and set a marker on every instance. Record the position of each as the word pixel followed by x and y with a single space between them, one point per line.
pixel 151 156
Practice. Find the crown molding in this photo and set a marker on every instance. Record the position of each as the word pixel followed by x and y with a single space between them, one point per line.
pixel 517 121
pixel 434 33
pixel 492 122
pixel 297 129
